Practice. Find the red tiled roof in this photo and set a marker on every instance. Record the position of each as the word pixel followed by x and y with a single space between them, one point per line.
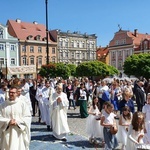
pixel 102 51
pixel 138 38
pixel 132 38
pixel 24 29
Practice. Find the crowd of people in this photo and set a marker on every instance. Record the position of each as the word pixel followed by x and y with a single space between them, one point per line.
pixel 109 109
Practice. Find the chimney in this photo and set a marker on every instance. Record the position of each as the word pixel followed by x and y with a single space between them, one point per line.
pixel 34 22
pixel 18 20
pixel 135 32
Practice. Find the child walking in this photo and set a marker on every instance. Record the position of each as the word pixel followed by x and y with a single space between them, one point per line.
pixel 93 124
pixel 136 131
pixel 108 120
pixel 146 111
pixel 124 122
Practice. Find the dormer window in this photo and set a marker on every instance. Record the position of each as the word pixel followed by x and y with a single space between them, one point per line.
pixel 38 37
pixel 1 33
pixel 29 37
pixel 44 39
pixel 145 45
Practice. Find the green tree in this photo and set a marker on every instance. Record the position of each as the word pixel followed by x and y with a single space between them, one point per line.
pixel 55 70
pixel 138 65
pixel 48 70
pixel 72 68
pixel 95 68
pixel 62 70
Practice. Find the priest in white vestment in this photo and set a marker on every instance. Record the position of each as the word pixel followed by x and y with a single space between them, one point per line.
pixel 60 105
pixel 15 122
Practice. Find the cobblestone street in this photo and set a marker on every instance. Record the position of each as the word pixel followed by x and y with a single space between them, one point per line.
pixel 41 139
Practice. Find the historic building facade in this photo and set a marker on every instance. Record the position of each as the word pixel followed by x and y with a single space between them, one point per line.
pixel 8 51
pixel 32 44
pixel 124 44
pixel 74 48
pixel 102 54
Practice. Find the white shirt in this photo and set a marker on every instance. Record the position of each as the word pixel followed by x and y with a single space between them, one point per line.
pixel 146 111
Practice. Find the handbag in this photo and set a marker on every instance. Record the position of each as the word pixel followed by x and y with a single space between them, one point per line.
pixel 113 129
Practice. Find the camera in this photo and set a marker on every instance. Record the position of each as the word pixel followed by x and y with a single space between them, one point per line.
pixel 82 97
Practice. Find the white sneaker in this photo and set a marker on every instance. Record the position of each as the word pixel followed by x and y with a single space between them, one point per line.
pixel 91 140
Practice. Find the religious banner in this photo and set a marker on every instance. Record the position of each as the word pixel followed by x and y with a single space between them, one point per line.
pixel 22 69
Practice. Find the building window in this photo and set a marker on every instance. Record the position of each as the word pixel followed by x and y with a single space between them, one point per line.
pixel 13 61
pixel 72 44
pixel 61 43
pixel 66 44
pixel 24 61
pixel 39 60
pixel 119 53
pixel 77 55
pixel 32 61
pixel 23 48
pixel 31 49
pixel 66 54
pixel 127 53
pixel 83 45
pixel 53 59
pixel 145 45
pixel 93 46
pixel 83 55
pixel 78 45
pixel 39 49
pixel 12 47
pixel 1 47
pixel 1 61
pixel 53 50
pixel 1 33
pixel 72 55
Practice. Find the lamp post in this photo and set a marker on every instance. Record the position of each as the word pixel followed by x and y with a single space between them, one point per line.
pixel 47 49
pixel 1 73
pixel 6 68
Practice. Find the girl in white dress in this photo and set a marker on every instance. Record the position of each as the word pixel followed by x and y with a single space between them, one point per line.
pixel 146 111
pixel 124 122
pixel 136 131
pixel 92 123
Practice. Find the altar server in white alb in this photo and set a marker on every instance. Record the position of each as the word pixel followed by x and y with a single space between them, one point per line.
pixel 15 121
pixel 21 97
pixel 40 101
pixel 60 105
pixel 47 92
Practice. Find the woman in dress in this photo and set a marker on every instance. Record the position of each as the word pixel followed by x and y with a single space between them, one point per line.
pixel 92 123
pixel 83 101
pixel 116 94
pixel 136 131
pixel 124 122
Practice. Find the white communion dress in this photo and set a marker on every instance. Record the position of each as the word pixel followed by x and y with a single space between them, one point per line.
pixel 92 125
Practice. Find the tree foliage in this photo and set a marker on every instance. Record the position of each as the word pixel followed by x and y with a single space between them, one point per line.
pixel 95 68
pixel 138 65
pixel 72 69
pixel 55 70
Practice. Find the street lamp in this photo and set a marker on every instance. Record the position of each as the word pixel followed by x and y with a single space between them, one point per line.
pixel 47 50
pixel 6 68
pixel 1 73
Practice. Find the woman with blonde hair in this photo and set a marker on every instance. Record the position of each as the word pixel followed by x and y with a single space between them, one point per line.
pixel 126 101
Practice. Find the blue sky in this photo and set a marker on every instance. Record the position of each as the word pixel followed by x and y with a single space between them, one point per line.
pixel 100 17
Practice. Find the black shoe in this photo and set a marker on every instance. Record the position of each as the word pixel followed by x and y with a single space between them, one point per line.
pixel 48 128
pixel 64 139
